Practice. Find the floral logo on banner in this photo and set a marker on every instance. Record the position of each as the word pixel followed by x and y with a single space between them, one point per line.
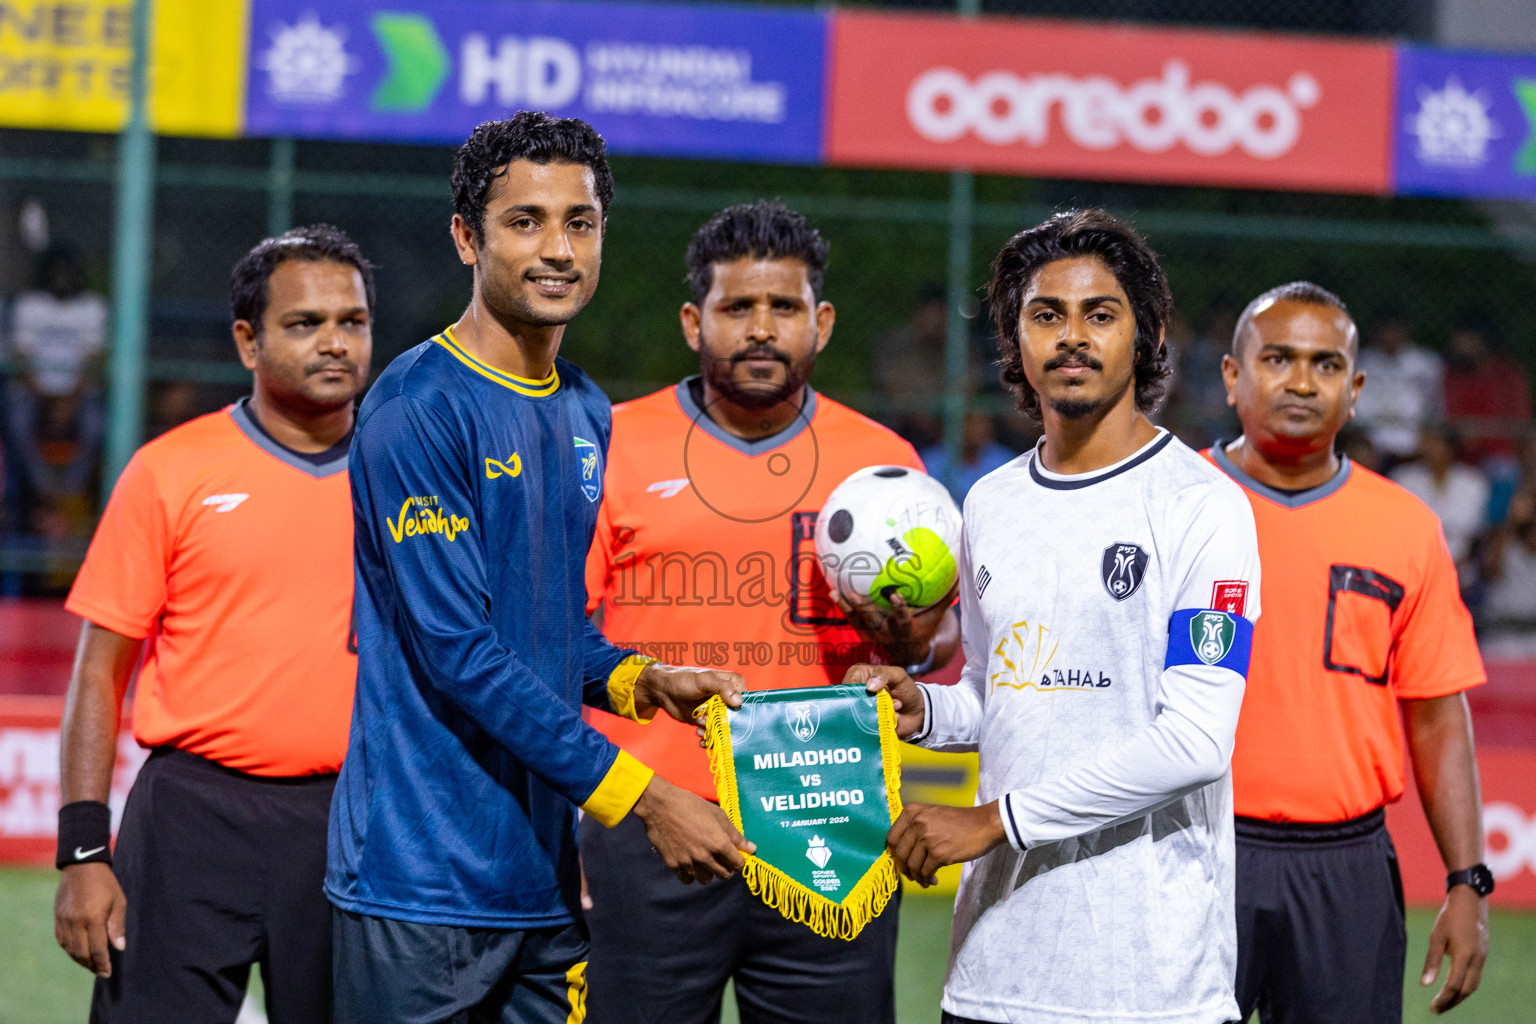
pixel 307 63
pixel 1453 126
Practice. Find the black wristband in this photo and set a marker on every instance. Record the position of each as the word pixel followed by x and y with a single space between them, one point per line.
pixel 85 834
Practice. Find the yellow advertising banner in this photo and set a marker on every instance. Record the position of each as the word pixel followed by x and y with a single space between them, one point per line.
pixel 65 64
pixel 930 777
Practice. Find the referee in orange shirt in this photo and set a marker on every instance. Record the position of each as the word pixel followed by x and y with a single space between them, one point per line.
pixel 225 558
pixel 1363 629
pixel 703 548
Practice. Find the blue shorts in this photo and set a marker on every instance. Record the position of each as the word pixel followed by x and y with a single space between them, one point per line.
pixel 409 973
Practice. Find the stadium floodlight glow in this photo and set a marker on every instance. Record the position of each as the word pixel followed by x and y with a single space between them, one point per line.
pixel 1151 115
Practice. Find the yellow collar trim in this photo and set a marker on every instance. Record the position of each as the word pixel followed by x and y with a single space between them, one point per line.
pixel 522 385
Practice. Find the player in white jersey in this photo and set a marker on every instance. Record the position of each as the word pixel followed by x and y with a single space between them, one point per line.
pixel 1110 589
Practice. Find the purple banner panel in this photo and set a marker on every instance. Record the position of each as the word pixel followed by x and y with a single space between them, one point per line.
pixel 1465 125
pixel 734 83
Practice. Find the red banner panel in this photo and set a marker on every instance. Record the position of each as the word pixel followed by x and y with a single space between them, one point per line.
pixel 1069 100
pixel 1509 821
pixel 29 776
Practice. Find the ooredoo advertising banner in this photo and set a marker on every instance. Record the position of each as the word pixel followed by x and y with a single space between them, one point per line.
pixel 1465 124
pixel 1509 825
pixel 1099 101
pixel 661 79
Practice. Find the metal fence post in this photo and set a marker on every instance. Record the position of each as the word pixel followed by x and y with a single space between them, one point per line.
pixel 132 252
pixel 957 344
pixel 280 187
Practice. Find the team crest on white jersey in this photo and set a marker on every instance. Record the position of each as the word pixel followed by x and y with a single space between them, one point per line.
pixel 589 467
pixel 1123 567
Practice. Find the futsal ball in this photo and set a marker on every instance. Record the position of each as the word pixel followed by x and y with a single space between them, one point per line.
pixel 888 530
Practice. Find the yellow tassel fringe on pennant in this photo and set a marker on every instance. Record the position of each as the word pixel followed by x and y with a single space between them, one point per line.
pixel 869 895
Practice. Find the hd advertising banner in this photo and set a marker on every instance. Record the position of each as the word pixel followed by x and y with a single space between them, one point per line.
pixel 1099 101
pixel 660 79
pixel 1465 124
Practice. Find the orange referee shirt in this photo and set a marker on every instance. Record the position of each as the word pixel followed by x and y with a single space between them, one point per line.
pixel 704 553
pixel 232 556
pixel 1361 609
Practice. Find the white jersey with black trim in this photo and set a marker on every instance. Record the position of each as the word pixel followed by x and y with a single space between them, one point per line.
pixel 1106 619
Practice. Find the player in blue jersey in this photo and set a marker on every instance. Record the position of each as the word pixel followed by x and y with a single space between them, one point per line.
pixel 477 474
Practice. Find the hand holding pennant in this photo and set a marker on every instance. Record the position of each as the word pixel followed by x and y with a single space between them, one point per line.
pixel 813 777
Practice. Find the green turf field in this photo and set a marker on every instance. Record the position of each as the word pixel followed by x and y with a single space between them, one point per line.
pixel 40 985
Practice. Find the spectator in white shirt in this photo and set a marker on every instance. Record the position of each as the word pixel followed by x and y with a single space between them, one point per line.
pixel 1509 570
pixel 1404 391
pixel 1454 491
pixel 54 411
pixel 59 329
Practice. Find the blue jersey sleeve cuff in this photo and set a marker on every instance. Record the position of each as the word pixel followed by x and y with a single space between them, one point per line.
pixel 1206 636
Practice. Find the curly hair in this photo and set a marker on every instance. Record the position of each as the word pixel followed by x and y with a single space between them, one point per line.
pixel 529 135
pixel 766 229
pixel 315 243
pixel 1070 235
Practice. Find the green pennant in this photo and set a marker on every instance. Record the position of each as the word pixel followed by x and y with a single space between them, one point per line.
pixel 813 777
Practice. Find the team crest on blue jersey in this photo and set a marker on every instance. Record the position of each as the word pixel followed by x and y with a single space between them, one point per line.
pixel 1124 566
pixel 589 467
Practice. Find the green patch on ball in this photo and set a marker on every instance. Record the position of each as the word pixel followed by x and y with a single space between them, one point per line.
pixel 922 578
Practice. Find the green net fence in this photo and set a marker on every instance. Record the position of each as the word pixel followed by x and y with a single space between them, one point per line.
pixel 1434 265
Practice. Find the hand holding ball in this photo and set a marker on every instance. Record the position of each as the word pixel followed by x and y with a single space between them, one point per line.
pixel 888 530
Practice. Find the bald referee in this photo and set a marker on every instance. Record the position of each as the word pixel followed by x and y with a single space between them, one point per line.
pixel 225 558
pixel 1363 629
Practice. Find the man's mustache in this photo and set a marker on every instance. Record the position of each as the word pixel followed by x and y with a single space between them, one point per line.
pixel 760 352
pixel 324 365
pixel 1073 359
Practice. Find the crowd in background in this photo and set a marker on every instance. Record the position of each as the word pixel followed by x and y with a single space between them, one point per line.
pixel 53 339
pixel 1451 423
pixel 1453 426
pixel 54 335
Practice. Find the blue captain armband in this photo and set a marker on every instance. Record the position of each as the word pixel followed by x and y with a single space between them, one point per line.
pixel 1204 636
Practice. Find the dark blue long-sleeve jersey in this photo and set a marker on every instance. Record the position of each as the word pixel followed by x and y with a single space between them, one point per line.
pixel 475 494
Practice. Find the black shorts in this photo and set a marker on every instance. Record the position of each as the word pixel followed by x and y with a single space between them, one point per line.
pixel 221 870
pixel 662 951
pixel 1320 933
pixel 403 972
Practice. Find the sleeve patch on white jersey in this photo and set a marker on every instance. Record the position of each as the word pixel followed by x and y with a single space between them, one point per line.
pixel 1209 636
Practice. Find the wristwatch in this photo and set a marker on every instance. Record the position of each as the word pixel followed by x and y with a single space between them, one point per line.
pixel 1477 876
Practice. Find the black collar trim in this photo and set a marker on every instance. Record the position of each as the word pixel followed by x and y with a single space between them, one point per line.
pixel 1073 483
pixel 241 414
pixel 1295 500
pixel 702 421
